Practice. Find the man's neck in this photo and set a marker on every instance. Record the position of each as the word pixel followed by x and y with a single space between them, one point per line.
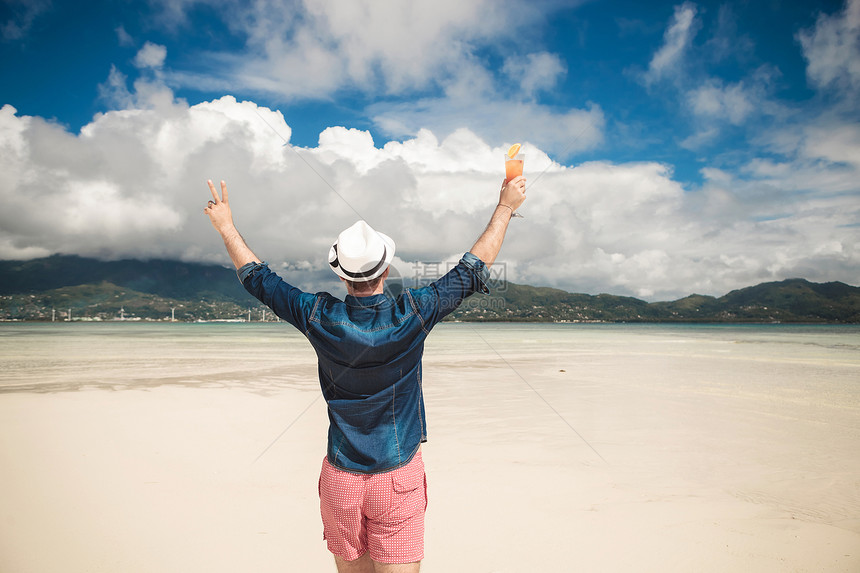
pixel 366 292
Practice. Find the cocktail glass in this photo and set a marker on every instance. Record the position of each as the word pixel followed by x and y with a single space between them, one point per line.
pixel 514 168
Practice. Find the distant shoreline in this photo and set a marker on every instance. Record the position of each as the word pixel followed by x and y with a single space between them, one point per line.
pixel 466 322
pixel 59 288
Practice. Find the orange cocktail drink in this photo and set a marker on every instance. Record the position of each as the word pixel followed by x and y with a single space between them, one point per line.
pixel 513 162
pixel 513 166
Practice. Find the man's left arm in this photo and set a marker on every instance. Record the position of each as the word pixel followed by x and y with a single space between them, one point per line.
pixel 222 219
pixel 441 297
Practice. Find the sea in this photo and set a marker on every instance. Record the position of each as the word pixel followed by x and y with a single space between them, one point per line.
pixel 264 356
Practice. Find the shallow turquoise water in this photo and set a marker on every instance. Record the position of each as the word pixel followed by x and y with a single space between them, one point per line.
pixel 62 356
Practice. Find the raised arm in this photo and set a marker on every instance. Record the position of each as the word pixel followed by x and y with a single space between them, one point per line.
pixel 222 219
pixel 512 195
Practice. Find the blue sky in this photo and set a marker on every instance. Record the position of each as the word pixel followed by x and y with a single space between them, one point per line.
pixel 673 147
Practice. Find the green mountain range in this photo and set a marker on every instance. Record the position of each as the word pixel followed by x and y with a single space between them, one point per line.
pixel 64 287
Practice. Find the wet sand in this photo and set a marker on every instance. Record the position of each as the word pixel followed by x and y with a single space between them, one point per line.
pixel 551 449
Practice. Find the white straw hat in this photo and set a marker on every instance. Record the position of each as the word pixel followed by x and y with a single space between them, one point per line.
pixel 361 254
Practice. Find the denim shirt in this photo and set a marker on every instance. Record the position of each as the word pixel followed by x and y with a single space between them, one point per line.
pixel 369 353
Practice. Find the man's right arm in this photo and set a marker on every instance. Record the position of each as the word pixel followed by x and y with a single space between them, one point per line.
pixel 489 244
pixel 287 301
pixel 222 219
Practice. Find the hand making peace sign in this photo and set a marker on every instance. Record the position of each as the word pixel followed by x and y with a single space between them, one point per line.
pixel 218 209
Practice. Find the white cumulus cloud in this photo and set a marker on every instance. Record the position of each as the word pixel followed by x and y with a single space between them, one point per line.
pixel 432 56
pixel 385 46
pixel 132 184
pixel 832 50
pixel 151 56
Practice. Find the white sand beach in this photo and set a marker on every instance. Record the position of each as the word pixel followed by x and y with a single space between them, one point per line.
pixel 137 448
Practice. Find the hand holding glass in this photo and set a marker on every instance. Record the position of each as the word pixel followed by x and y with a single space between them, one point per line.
pixel 514 168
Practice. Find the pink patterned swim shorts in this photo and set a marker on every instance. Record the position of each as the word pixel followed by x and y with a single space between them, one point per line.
pixel 381 513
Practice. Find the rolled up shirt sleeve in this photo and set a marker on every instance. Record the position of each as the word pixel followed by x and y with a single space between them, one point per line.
pixel 285 300
pixel 440 298
pixel 245 270
pixel 481 270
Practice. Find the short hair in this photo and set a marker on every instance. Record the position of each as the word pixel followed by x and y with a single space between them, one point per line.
pixel 366 285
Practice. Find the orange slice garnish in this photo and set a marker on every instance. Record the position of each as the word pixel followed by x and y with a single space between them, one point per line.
pixel 514 149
